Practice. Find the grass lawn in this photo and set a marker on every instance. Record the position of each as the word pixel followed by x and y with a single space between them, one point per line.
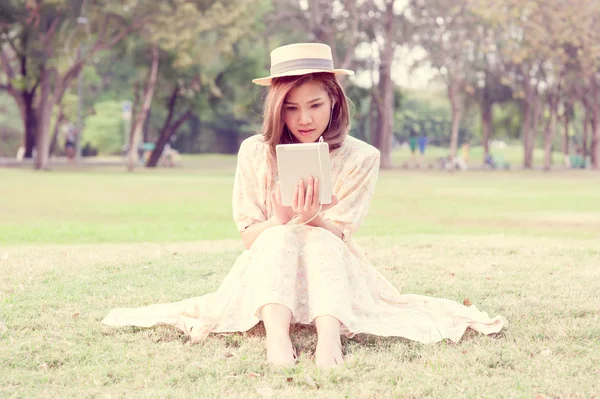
pixel 76 243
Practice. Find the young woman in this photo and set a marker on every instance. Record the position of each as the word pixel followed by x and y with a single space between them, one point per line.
pixel 307 270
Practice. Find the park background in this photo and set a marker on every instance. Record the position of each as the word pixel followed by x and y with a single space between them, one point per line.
pixel 514 82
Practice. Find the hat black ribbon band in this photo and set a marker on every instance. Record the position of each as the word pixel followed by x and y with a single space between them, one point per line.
pixel 302 63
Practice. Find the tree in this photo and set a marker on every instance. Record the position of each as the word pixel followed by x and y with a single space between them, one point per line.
pixel 445 29
pixel 41 56
pixel 339 24
pixel 384 93
pixel 182 31
pixel 587 17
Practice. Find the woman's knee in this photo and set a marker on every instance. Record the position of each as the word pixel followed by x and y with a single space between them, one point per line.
pixel 273 238
pixel 324 242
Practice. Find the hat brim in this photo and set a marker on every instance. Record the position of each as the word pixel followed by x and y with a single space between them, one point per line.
pixel 298 72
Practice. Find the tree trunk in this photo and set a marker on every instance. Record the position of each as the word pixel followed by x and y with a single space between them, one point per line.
pixel 386 89
pixel 373 118
pixel 44 109
pixel 456 103
pixel 526 131
pixel 531 131
pixel 532 111
pixel 164 137
pixel 56 131
pixel 141 118
pixel 566 141
pixel 549 135
pixel 487 123
pixel 30 124
pixel 595 142
pixel 586 125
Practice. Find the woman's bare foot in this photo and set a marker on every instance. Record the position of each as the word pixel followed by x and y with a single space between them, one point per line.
pixel 277 319
pixel 280 351
pixel 329 345
pixel 329 354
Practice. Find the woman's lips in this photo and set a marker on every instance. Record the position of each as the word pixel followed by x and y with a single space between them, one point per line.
pixel 306 132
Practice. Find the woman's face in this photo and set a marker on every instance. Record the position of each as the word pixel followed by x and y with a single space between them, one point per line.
pixel 306 111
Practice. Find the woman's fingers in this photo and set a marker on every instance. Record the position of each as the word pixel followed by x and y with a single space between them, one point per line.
pixel 309 194
pixel 300 196
pixel 316 200
pixel 295 199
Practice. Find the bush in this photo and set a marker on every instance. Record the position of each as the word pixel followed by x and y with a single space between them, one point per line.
pixel 105 130
pixel 11 140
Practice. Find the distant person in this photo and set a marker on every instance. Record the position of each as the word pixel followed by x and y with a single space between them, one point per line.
pixel 413 143
pixel 169 156
pixel 422 145
pixel 301 265
pixel 70 140
pixel 465 151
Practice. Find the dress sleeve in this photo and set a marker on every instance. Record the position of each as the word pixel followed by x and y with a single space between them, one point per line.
pixel 354 194
pixel 247 208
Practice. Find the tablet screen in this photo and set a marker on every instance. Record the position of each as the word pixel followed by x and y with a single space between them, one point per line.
pixel 300 161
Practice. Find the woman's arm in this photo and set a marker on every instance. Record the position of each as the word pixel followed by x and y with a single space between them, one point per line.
pixel 319 221
pixel 280 216
pixel 253 231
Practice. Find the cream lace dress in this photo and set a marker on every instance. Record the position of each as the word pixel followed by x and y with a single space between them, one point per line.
pixel 309 269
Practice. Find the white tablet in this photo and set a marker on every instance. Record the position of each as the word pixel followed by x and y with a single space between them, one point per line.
pixel 299 161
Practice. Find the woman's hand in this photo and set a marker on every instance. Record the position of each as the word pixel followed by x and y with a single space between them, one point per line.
pixel 281 214
pixel 305 202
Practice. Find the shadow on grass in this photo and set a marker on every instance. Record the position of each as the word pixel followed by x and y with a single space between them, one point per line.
pixel 305 339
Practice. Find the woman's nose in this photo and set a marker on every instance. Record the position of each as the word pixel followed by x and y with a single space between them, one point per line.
pixel 305 118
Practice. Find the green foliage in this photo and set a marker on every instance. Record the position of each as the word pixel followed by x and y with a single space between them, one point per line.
pixel 426 115
pixel 10 127
pixel 104 130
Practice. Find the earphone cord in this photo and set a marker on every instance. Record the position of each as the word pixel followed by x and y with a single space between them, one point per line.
pixel 297 217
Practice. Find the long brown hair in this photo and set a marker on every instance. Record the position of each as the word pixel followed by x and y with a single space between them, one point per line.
pixel 273 127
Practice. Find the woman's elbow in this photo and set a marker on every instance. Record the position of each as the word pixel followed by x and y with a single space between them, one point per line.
pixel 246 240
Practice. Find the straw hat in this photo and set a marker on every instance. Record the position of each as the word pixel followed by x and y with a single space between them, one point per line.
pixel 300 59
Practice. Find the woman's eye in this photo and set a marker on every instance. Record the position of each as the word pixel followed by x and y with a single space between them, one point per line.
pixel 316 105
pixel 290 108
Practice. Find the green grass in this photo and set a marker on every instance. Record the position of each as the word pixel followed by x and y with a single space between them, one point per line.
pixel 512 154
pixel 105 204
pixel 74 244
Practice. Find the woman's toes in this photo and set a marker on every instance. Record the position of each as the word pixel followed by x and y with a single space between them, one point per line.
pixel 280 352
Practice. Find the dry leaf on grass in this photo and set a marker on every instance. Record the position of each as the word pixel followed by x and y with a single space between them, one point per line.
pixel 252 375
pixel 227 354
pixel 289 379
pixel 311 383
pixel 75 315
pixel 467 302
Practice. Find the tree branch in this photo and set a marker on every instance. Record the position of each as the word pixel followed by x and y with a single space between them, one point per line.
pixel 66 80
pixel 10 73
pixel 181 120
pixel 171 108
